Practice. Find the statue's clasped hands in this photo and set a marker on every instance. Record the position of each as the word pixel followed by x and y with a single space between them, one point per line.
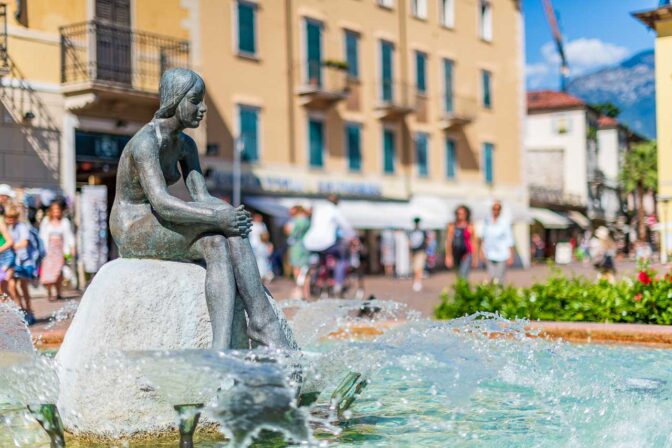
pixel 234 221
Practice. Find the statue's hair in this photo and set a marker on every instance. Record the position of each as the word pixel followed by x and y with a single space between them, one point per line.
pixel 174 85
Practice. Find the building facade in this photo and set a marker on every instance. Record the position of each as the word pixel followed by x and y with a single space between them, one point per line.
pixel 81 76
pixel 660 21
pixel 383 101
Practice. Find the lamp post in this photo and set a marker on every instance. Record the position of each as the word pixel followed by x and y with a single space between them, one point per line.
pixel 238 147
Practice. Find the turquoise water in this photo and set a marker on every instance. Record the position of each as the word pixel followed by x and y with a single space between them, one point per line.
pixel 436 384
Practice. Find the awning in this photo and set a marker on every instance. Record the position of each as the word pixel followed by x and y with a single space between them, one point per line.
pixel 269 206
pixel 549 219
pixel 579 218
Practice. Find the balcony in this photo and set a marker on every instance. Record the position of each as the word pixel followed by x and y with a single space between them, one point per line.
pixel 323 85
pixel 100 60
pixel 541 196
pixel 395 100
pixel 457 112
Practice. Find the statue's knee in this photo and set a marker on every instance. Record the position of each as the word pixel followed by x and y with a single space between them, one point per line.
pixel 214 242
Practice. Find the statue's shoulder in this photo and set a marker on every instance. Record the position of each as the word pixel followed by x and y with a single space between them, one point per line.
pixel 143 141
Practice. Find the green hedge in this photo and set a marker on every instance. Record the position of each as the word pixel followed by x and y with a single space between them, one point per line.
pixel 644 299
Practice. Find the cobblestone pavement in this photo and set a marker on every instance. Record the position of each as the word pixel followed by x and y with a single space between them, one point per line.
pixel 383 288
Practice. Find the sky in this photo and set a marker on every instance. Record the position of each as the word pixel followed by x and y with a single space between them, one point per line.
pixel 597 33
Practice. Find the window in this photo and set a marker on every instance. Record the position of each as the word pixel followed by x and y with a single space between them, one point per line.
pixel 386 73
pixel 388 151
pixel 315 143
pixel 421 153
pixel 353 141
pixel 451 158
pixel 488 169
pixel 448 103
pixel 386 3
pixel 247 40
pixel 419 8
pixel 485 19
pixel 314 52
pixel 486 87
pixel 447 13
pixel 352 54
pixel 248 122
pixel 421 72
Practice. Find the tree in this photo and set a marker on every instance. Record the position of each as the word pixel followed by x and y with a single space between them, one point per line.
pixel 639 175
pixel 608 109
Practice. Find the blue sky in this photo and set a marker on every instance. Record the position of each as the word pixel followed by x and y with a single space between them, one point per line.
pixel 596 33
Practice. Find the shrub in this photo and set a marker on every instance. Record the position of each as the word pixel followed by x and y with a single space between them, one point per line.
pixel 644 299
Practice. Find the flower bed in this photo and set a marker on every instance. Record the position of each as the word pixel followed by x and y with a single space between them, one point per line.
pixel 645 299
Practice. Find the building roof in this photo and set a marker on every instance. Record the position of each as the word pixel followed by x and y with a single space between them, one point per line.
pixel 606 122
pixel 650 17
pixel 541 100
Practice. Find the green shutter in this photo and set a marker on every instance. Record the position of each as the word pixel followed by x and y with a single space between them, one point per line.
pixel 246 39
pixel 249 133
pixel 314 52
pixel 352 53
pixel 487 89
pixel 421 71
pixel 448 85
pixel 354 142
pixel 388 151
pixel 488 169
pixel 316 143
pixel 451 159
pixel 421 150
pixel 387 88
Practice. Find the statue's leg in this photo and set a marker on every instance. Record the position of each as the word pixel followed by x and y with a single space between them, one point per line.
pixel 264 326
pixel 220 288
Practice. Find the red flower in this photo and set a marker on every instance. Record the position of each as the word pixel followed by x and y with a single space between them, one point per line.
pixel 644 278
pixel 638 297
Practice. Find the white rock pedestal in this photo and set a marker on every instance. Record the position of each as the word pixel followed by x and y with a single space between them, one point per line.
pixel 130 305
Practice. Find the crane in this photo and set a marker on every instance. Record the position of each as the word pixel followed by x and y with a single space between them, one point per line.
pixel 557 36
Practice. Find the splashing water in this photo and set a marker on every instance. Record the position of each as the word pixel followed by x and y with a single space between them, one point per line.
pixel 478 381
pixel 14 334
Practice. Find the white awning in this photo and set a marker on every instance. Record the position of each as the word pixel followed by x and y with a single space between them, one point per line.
pixel 579 218
pixel 549 219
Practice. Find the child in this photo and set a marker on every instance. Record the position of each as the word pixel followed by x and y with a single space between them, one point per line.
pixel 7 257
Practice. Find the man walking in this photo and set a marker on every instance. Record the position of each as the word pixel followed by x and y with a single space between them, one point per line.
pixel 418 245
pixel 497 244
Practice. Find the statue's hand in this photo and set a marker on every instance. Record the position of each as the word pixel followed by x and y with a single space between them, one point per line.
pixel 234 221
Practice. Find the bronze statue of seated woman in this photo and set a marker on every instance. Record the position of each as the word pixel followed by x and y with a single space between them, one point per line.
pixel 148 222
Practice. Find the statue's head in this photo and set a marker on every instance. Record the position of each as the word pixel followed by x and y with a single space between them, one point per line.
pixel 181 94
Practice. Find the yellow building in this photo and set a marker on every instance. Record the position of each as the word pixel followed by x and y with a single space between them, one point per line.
pixel 416 101
pixel 81 76
pixel 660 20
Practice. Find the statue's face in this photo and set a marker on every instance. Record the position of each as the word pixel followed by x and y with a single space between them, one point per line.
pixel 192 108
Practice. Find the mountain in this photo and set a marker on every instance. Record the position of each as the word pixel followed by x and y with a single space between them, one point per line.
pixel 630 85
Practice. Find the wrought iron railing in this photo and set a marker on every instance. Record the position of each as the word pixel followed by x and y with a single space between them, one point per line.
pixel 103 52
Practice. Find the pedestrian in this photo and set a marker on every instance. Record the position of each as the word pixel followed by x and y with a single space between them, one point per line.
pixel 6 196
pixel 497 245
pixel 328 236
pixel 418 244
pixel 402 259
pixel 27 252
pixel 56 234
pixel 538 248
pixel 603 253
pixel 299 256
pixel 357 253
pixel 387 251
pixel 259 240
pixel 7 258
pixel 432 246
pixel 461 243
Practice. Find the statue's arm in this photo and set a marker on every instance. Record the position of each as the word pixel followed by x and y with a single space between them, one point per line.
pixel 168 207
pixel 193 175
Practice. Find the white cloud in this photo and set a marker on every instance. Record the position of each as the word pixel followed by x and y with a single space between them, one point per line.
pixel 538 69
pixel 584 55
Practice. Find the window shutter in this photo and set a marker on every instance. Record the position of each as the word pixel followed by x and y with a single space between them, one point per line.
pixel 314 52
pixel 387 90
pixel 249 133
pixel 353 137
pixel 421 71
pixel 351 54
pixel 316 143
pixel 388 151
pixel 448 85
pixel 451 159
pixel 246 31
pixel 488 170
pixel 421 148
